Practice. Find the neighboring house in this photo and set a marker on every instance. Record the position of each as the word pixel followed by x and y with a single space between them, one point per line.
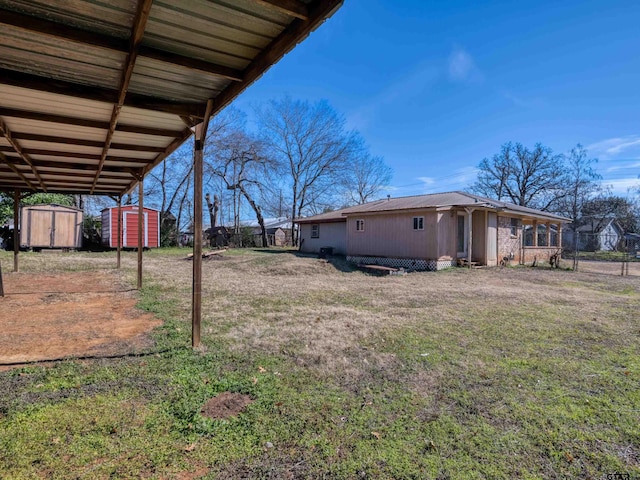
pixel 596 235
pixel 435 231
pixel 278 231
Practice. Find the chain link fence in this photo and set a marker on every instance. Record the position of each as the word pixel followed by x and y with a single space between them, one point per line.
pixel 600 253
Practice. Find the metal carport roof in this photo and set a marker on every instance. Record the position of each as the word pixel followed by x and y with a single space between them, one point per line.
pixel 94 94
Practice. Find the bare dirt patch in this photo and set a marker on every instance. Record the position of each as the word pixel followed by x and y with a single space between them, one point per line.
pixel 52 316
pixel 225 405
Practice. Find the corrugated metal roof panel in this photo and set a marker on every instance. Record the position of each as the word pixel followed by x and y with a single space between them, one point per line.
pixel 32 145
pixel 132 154
pixel 26 51
pixel 128 164
pixel 113 18
pixel 139 139
pixel 46 102
pixel 149 118
pixel 190 52
pixel 50 128
pixel 165 80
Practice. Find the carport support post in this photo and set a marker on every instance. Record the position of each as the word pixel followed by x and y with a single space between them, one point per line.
pixel 16 238
pixel 119 233
pixel 198 160
pixel 140 228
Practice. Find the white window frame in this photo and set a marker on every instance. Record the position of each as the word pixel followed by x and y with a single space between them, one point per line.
pixel 418 223
pixel 360 225
pixel 315 230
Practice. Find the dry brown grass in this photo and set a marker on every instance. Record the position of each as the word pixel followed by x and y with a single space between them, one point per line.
pixel 324 317
pixel 491 373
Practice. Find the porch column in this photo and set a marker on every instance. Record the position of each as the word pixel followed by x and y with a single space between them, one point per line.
pixel 16 237
pixel 140 229
pixel 119 232
pixel 198 153
pixel 470 235
pixel 535 233
pixel 548 234
pixel 559 235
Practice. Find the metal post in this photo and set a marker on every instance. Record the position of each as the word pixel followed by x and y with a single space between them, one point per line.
pixel 196 313
pixel 198 153
pixel 140 229
pixel 119 233
pixel 16 220
pixel 1 286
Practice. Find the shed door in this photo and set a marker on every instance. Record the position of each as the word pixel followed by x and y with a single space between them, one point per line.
pixel 40 228
pixel 130 229
pixel 64 229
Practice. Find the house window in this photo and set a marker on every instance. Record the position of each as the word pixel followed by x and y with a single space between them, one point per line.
pixel 418 223
pixel 542 236
pixel 514 227
pixel 359 225
pixel 528 235
pixel 315 231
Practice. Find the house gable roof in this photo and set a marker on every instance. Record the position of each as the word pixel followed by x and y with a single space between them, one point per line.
pixel 590 227
pixel 433 201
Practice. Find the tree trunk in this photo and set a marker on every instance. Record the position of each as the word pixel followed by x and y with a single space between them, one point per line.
pixel 256 209
pixel 213 214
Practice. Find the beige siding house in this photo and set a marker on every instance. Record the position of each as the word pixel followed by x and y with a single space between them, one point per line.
pixel 327 230
pixel 435 231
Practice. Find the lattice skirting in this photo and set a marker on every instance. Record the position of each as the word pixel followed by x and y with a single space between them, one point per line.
pixel 407 263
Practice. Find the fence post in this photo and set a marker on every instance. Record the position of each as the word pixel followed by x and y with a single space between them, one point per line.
pixel 1 286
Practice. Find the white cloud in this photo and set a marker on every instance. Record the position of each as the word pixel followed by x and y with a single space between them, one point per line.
pixel 613 147
pixel 462 67
pixel 460 179
pixel 427 180
pixel 622 185
pixel 622 165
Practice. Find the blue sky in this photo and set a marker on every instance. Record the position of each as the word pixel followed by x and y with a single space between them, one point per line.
pixel 436 86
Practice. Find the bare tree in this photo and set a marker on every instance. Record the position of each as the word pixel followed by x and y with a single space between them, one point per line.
pixel 365 176
pixel 237 159
pixel 531 178
pixel 582 183
pixel 310 145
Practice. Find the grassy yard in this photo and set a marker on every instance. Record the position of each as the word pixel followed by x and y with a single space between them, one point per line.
pixel 460 374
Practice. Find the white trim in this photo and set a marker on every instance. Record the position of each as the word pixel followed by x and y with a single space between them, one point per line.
pixel 158 215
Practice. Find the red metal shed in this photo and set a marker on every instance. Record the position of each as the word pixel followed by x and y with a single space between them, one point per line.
pixel 130 227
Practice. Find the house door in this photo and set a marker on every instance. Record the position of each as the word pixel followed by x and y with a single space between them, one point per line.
pixel 462 235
